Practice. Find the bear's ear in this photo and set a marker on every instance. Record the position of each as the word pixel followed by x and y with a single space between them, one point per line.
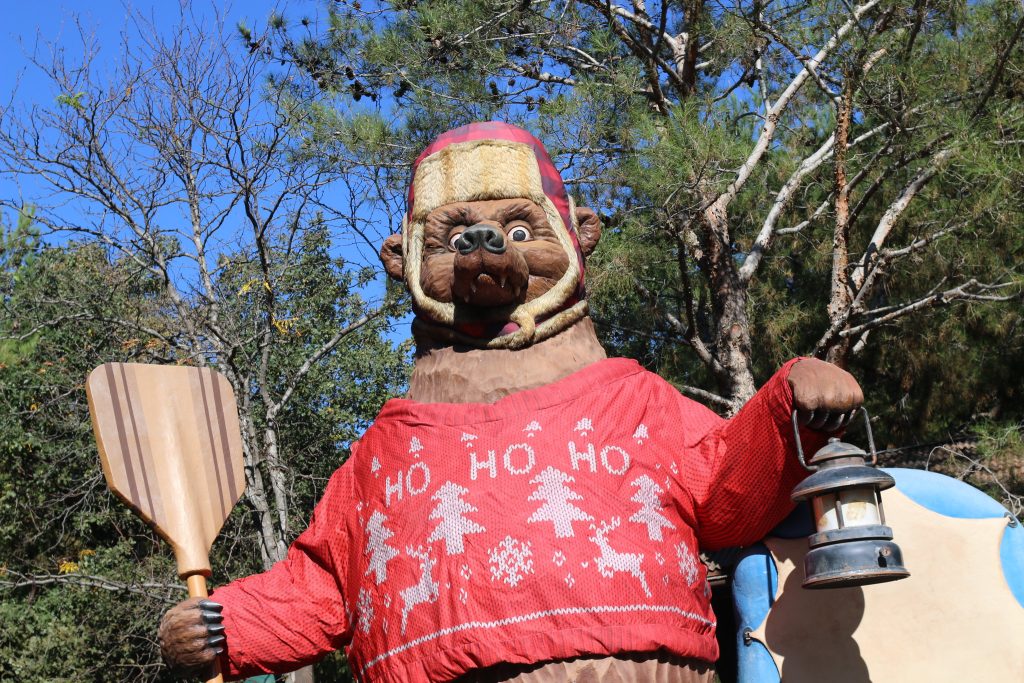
pixel 391 256
pixel 588 229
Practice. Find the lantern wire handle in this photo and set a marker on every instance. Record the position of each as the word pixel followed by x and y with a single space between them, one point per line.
pixel 800 446
pixel 871 437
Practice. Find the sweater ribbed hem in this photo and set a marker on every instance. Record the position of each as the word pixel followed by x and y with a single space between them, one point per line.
pixel 549 646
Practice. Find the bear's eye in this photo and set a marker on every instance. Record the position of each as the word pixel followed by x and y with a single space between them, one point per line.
pixel 453 239
pixel 519 233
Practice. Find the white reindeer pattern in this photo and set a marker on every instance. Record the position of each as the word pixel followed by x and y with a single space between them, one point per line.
pixel 425 590
pixel 612 561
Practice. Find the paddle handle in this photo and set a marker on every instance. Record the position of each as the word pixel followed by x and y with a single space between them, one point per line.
pixel 197 589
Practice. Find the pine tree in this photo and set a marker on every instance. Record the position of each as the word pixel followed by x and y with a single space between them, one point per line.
pixel 382 552
pixel 557 508
pixel 454 525
pixel 649 497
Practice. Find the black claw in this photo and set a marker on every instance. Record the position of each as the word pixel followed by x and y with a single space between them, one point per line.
pixel 214 641
pixel 211 617
pixel 210 606
pixel 833 422
pixel 214 629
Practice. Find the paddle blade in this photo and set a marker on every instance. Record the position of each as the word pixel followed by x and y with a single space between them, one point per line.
pixel 170 445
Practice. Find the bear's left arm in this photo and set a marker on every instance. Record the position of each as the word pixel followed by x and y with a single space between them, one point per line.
pixel 751 467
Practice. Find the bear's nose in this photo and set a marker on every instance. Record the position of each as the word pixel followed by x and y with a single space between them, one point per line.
pixel 481 235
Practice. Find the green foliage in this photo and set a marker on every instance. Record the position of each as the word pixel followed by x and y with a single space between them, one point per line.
pixel 647 146
pixel 73 101
pixel 56 517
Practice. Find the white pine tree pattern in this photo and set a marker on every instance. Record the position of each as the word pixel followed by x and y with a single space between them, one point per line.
pixel 557 509
pixel 454 524
pixel 414 445
pixel 584 425
pixel 382 553
pixel 364 607
pixel 511 560
pixel 649 496
pixel 375 465
pixel 687 563
pixel 641 433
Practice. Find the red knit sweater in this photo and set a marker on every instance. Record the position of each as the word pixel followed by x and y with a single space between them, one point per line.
pixel 558 522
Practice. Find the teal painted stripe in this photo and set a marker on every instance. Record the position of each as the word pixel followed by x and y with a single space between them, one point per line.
pixel 754 584
pixel 1011 552
pixel 944 495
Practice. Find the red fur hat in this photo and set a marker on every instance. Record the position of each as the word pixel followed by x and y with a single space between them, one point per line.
pixel 495 160
pixel 551 180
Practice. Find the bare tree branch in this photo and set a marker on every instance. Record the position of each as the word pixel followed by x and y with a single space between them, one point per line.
pixel 164 592
pixel 895 210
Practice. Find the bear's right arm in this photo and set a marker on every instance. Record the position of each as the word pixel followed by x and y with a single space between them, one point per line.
pixel 296 612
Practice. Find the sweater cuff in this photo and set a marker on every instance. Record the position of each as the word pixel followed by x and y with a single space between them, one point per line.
pixel 780 401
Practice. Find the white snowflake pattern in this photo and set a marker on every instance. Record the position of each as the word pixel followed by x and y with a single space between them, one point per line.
pixel 583 426
pixel 364 605
pixel 664 579
pixel 659 558
pixel 463 595
pixel 641 433
pixel 569 581
pixel 467 438
pixel 558 558
pixel 584 564
pixel 511 560
pixel 466 572
pixel 375 466
pixel 674 468
pixel 415 446
pixel 387 602
pixel 687 563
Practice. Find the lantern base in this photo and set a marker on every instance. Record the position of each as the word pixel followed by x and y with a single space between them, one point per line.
pixel 853 563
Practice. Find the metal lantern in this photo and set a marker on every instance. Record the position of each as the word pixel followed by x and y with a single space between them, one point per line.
pixel 852 546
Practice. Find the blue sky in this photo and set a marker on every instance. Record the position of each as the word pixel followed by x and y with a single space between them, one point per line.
pixel 32 27
pixel 30 23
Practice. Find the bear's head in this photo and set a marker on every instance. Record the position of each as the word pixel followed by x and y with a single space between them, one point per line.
pixel 492 248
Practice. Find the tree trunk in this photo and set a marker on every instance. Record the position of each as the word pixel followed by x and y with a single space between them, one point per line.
pixel 731 343
pixel 839 303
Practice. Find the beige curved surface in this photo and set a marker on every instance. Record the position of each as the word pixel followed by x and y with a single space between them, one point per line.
pixel 170 445
pixel 953 619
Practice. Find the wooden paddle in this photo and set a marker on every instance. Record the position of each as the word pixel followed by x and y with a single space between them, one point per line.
pixel 171 449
